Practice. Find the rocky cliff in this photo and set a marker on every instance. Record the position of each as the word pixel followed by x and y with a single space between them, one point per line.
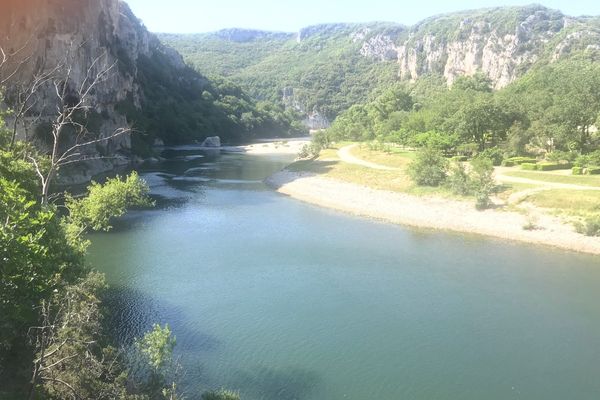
pixel 85 37
pixel 501 43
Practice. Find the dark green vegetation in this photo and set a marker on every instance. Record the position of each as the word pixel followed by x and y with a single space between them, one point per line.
pixel 322 71
pixel 550 113
pixel 185 107
pixel 53 341
pixel 331 67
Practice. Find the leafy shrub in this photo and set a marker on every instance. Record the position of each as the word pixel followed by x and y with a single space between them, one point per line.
pixel 529 166
pixel 511 162
pixel 438 140
pixel 577 170
pixel 311 150
pixel 429 168
pixel 482 181
pixel 590 226
pixel 494 154
pixel 552 166
pixel 321 139
pixel 460 158
pixel 587 160
pixel 459 181
pixel 558 156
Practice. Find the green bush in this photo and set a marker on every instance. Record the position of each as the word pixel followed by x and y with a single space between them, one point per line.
pixel 429 168
pixel 511 162
pixel 590 226
pixel 557 156
pixel 459 181
pixel 494 154
pixel 529 166
pixel 309 151
pixel 321 139
pixel 592 171
pixel 459 158
pixel 591 159
pixel 546 166
pixel 577 170
pixel 482 182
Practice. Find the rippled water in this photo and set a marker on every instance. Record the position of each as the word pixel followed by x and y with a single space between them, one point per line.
pixel 283 300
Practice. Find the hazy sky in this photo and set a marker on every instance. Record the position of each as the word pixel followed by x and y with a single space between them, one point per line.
pixel 204 16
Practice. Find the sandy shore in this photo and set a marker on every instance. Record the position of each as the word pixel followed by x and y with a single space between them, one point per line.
pixel 280 146
pixel 429 212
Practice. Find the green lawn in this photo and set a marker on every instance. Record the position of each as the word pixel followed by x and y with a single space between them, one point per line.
pixel 396 158
pixel 576 202
pixel 329 165
pixel 585 180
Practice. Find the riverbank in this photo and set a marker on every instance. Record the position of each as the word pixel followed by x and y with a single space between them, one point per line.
pixel 429 212
pixel 281 146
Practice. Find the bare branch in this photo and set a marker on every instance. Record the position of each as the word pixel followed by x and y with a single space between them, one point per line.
pixel 44 368
pixel 56 380
pixel 66 154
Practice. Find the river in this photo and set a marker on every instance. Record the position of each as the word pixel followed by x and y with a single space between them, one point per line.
pixel 283 300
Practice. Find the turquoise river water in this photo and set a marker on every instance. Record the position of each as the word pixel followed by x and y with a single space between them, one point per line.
pixel 283 300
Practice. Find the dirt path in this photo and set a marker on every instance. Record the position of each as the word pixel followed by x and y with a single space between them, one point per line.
pixel 500 176
pixel 517 197
pixel 346 156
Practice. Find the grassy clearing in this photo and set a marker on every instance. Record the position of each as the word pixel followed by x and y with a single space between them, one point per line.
pixel 590 180
pixel 505 190
pixel 397 158
pixel 329 165
pixel 573 202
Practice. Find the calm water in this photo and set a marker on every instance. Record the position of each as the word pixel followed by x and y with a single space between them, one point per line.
pixel 282 300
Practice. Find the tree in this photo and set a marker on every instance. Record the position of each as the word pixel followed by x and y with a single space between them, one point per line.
pixel 156 369
pixel 429 168
pixel 69 130
pixel 70 361
pixel 483 122
pixel 478 83
pixel 482 180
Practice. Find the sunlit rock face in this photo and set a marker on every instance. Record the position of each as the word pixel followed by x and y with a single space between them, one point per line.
pixel 87 37
pixel 500 43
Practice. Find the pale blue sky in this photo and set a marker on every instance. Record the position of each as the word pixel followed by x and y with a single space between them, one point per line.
pixel 185 16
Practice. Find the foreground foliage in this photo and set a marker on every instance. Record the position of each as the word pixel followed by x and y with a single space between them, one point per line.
pixel 53 341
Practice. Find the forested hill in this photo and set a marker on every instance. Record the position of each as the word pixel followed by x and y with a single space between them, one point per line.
pixel 327 68
pixel 321 71
pixel 143 84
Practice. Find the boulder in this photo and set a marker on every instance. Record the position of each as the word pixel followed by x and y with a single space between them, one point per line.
pixel 212 141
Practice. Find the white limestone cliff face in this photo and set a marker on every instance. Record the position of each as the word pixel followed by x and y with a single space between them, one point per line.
pixel 77 32
pixel 479 47
pixel 501 49
pixel 380 47
pixel 313 119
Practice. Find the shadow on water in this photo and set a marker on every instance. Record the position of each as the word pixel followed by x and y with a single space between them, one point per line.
pixel 290 383
pixel 131 313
